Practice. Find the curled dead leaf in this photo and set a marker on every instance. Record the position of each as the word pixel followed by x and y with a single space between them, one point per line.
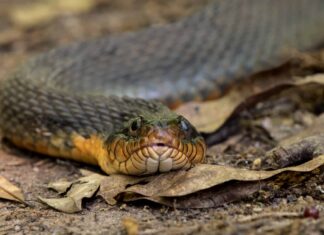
pixel 212 197
pixel 181 183
pixel 246 183
pixel 45 11
pixel 84 187
pixel 60 186
pixel 200 187
pixel 210 116
pixel 10 192
pixel 113 185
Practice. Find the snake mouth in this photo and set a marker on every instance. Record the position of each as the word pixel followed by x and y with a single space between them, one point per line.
pixel 157 157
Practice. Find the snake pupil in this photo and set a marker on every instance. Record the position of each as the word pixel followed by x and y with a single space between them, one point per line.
pixel 135 125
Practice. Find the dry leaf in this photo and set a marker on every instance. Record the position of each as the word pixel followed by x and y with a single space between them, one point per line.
pixel 28 17
pixel 10 192
pixel 84 187
pixel 213 197
pixel 180 183
pixel 210 116
pixel 194 188
pixel 45 11
pixel 60 186
pixel 66 204
pixel 112 185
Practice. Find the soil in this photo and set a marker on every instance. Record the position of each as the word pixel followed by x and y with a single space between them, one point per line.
pixel 282 212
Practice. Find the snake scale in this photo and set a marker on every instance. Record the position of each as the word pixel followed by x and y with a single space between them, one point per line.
pixel 96 101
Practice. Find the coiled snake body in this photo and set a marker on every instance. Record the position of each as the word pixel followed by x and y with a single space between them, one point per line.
pixel 70 102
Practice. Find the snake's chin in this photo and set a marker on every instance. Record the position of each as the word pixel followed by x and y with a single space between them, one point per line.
pixel 158 158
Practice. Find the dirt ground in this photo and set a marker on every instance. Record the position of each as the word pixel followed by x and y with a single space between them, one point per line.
pixel 280 213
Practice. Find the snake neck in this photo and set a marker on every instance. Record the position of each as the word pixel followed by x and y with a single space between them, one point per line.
pixel 92 150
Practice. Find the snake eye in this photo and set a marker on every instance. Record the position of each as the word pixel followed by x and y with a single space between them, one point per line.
pixel 184 125
pixel 135 125
pixel 188 130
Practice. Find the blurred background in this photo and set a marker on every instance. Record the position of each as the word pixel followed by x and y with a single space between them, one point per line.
pixel 31 26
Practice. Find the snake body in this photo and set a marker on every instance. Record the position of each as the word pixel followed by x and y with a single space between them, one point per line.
pixel 94 101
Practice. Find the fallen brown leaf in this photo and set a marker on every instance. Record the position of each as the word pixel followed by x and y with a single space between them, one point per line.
pixel 84 187
pixel 60 186
pixel 113 185
pixel 180 183
pixel 210 116
pixel 212 197
pixel 200 187
pixel 245 185
pixel 10 192
pixel 44 11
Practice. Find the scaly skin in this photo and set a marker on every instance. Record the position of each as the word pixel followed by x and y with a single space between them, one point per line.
pixel 63 103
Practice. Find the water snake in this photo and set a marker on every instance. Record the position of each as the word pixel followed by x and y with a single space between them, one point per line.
pixel 95 101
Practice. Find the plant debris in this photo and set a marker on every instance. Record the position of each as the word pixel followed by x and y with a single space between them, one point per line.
pixel 10 192
pixel 161 188
pixel 84 187
pixel 210 116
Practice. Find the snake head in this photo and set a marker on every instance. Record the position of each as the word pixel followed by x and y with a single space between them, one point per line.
pixel 152 145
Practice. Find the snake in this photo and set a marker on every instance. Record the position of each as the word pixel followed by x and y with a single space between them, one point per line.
pixel 108 101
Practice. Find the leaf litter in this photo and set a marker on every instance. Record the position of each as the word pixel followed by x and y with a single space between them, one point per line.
pixel 210 116
pixel 162 187
pixel 84 187
pixel 43 12
pixel 9 191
